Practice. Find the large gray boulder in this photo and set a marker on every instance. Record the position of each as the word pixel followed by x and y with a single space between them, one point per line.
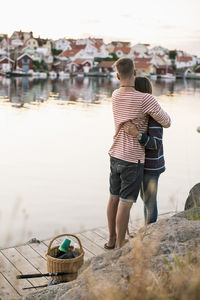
pixel 154 247
pixel 193 200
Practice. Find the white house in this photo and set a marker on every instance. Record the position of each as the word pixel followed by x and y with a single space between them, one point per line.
pixel 184 60
pixel 62 44
pixel 17 43
pixel 158 50
pixel 32 43
pixel 142 49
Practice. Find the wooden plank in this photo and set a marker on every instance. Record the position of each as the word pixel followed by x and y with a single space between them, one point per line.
pixel 33 257
pixel 10 272
pixel 102 233
pixel 89 245
pixel 23 265
pixel 7 292
pixel 40 248
pixel 95 238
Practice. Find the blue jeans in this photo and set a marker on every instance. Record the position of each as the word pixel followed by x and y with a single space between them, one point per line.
pixel 149 196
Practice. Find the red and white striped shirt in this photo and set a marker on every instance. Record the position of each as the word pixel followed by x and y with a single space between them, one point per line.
pixel 128 106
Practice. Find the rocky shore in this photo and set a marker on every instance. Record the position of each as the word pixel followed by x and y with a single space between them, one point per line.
pixel 159 251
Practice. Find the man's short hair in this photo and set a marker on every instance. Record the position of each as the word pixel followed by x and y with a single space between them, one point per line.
pixel 125 67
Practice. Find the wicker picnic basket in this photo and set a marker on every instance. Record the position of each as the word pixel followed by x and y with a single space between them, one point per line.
pixel 71 265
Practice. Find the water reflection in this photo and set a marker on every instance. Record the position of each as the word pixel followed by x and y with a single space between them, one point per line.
pixel 88 90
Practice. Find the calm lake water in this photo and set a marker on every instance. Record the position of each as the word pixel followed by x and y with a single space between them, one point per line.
pixel 54 166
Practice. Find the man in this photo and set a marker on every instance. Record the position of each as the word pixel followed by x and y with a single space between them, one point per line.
pixel 126 154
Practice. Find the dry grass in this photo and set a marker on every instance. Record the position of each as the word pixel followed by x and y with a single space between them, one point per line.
pixel 179 280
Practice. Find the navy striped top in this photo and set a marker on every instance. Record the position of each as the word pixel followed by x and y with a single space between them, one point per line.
pixel 153 143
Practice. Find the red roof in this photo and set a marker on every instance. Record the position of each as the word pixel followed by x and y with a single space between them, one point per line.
pixel 142 64
pixel 106 64
pixel 184 58
pixel 125 50
pixel 73 52
pixel 142 59
pixel 80 61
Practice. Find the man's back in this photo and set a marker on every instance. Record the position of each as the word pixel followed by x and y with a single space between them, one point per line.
pixel 128 106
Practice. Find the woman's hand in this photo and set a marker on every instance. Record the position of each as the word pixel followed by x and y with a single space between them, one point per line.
pixel 130 129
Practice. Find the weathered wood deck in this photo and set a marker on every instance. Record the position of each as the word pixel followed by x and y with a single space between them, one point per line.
pixel 30 258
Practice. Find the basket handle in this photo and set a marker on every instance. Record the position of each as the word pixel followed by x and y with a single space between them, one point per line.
pixel 61 235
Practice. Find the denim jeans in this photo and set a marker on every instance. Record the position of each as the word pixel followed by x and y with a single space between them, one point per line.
pixel 125 179
pixel 149 196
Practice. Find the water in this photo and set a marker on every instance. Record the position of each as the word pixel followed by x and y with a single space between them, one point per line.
pixel 54 165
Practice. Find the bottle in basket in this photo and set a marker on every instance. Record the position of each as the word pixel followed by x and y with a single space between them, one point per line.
pixel 63 248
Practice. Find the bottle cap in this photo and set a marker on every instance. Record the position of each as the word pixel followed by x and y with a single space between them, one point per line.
pixel 65 245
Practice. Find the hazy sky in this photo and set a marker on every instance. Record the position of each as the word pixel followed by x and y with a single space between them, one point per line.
pixel 170 23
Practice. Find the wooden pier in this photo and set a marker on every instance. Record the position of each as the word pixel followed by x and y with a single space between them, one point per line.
pixel 30 259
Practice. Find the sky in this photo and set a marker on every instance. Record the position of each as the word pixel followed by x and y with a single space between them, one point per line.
pixel 174 24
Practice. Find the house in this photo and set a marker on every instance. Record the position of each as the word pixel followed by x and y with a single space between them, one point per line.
pixel 32 43
pixel 81 65
pixel 185 61
pixel 144 66
pixel 6 64
pixel 71 53
pixel 197 69
pixel 158 50
pixel 122 51
pixel 106 66
pixel 164 69
pixel 142 49
pixel 25 62
pixel 62 44
pixel 21 35
pixel 87 52
pixel 62 65
pixel 15 43
pixel 111 46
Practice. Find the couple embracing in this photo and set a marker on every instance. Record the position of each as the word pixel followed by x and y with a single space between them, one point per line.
pixel 136 155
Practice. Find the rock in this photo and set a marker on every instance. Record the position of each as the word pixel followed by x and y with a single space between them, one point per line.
pixel 155 246
pixel 190 214
pixel 193 199
pixel 33 241
pixel 198 129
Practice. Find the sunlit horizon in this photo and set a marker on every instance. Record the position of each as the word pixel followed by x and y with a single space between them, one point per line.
pixel 174 24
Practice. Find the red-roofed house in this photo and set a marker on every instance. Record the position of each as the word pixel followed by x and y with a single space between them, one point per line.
pixel 25 62
pixel 185 61
pixel 122 51
pixel 106 66
pixel 81 65
pixel 144 66
pixel 6 64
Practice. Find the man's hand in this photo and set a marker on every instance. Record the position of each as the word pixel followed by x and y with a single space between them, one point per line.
pixel 130 129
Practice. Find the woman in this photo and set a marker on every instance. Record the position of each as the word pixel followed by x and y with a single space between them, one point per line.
pixel 154 157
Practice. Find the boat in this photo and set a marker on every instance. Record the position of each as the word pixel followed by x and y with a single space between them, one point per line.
pixel 41 75
pixel 17 74
pixel 153 76
pixel 63 75
pixel 52 74
pixel 168 76
pixel 81 75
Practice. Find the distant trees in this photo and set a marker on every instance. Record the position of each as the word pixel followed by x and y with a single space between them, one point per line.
pixel 40 65
pixel 172 54
pixel 112 57
pixel 55 52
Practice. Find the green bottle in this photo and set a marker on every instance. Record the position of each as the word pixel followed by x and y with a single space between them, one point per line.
pixel 63 247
